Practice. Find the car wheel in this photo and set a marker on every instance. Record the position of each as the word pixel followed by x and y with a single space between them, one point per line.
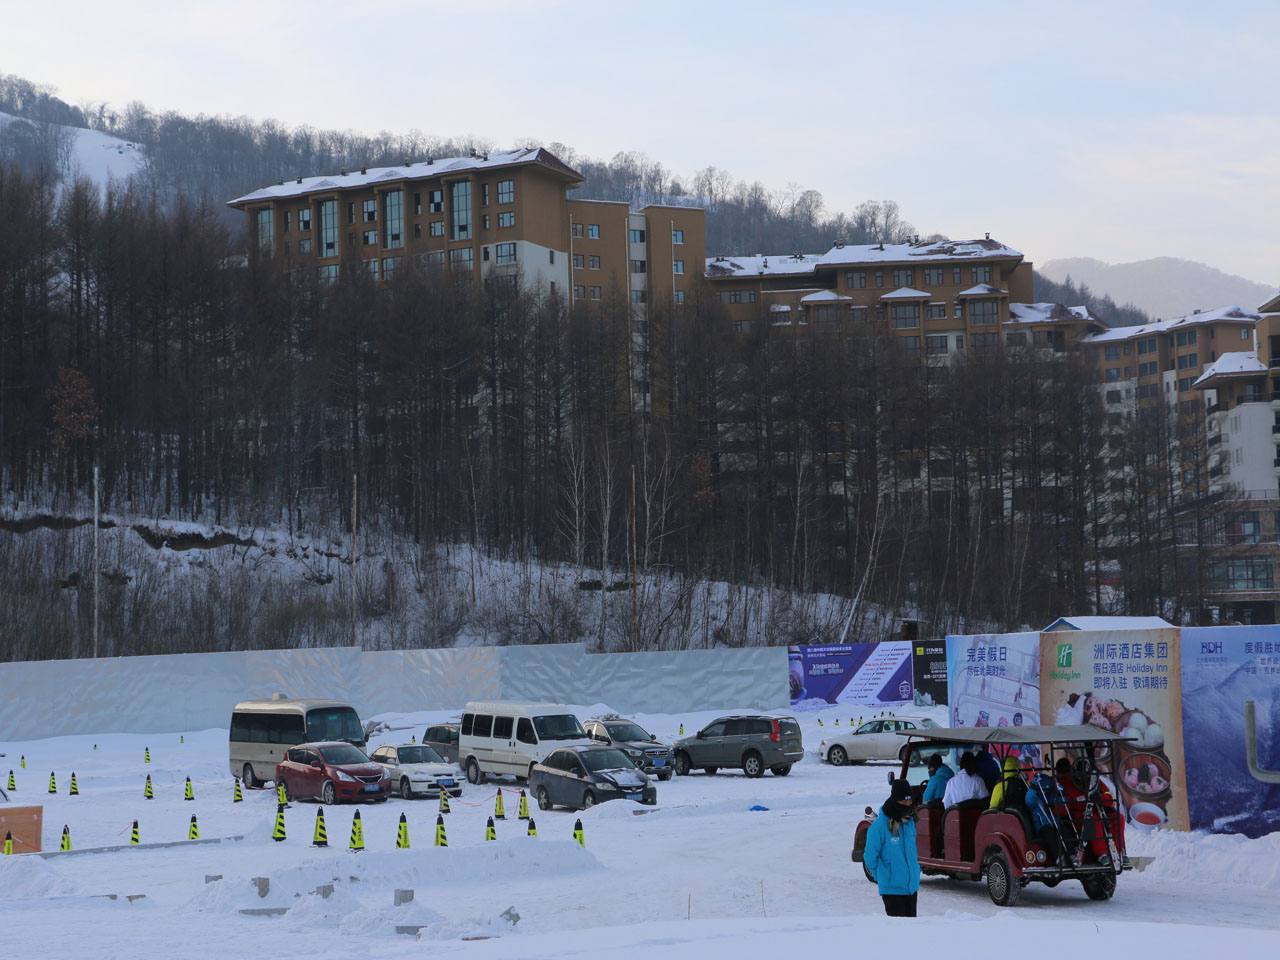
pixel 473 771
pixel 1099 887
pixel 837 756
pixel 710 771
pixel 588 800
pixel 665 776
pixel 781 770
pixel 752 765
pixel 544 799
pixel 247 777
pixel 1002 886
pixel 682 764
pixel 405 792
pixel 327 794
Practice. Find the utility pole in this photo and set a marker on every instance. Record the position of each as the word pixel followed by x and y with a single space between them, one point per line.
pixel 95 561
pixel 355 640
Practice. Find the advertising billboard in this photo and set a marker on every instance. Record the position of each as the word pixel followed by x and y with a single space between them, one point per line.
pixel 929 672
pixel 856 674
pixel 993 679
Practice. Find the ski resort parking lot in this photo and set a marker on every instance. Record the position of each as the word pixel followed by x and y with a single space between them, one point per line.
pixel 722 866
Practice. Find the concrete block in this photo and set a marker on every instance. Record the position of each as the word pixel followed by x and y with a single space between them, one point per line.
pixel 402 897
pixel 263 884
pixel 324 891
pixel 264 911
pixel 212 877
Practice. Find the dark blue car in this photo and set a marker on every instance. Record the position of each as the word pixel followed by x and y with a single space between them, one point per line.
pixel 580 777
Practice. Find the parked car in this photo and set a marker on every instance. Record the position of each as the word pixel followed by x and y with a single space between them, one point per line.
pixel 752 744
pixel 417 770
pixel 644 749
pixel 580 777
pixel 500 737
pixel 263 730
pixel 443 738
pixel 332 772
pixel 874 740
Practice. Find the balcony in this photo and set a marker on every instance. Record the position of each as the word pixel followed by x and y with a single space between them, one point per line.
pixel 1216 438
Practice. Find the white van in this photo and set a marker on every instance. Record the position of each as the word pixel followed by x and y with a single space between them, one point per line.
pixel 263 730
pixel 499 737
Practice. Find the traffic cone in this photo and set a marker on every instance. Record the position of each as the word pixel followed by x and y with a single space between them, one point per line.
pixel 489 832
pixel 236 795
pixel 444 800
pixel 193 831
pixel 188 793
pixel 95 748
pixel 837 721
pixel 533 829
pixel 134 838
pixel 53 783
pixel 577 833
pixel 682 729
pixel 320 837
pixel 181 738
pixel 819 721
pixel 413 738
pixel 146 754
pixel 498 812
pixel 277 832
pixel 147 792
pixel 357 834
pixel 65 845
pixel 8 844
pixel 441 839
pixel 282 793
pixel 75 788
pixel 23 764
pixel 13 784
pixel 522 809
pixel 402 834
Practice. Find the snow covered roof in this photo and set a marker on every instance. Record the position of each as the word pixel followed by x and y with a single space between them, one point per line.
pixel 1047 313
pixel 372 176
pixel 761 265
pixel 982 290
pixel 1165 326
pixel 1107 623
pixel 823 296
pixel 847 254
pixel 1243 363
pixel 905 293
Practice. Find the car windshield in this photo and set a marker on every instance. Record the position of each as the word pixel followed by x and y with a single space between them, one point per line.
pixel 559 726
pixel 597 760
pixel 343 753
pixel 334 723
pixel 418 755
pixel 626 732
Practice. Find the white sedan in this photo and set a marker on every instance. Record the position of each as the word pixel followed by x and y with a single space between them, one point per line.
pixel 874 740
pixel 417 770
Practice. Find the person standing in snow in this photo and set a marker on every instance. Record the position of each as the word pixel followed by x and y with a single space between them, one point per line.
pixel 890 855
pixel 939 775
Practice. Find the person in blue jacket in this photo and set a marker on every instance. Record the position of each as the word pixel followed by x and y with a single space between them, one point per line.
pixel 890 853
pixel 989 768
pixel 939 774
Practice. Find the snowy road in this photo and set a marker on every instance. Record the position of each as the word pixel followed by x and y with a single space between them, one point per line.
pixel 701 873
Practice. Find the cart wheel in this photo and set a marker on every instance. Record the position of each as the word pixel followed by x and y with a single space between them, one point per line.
pixel 1003 887
pixel 1100 886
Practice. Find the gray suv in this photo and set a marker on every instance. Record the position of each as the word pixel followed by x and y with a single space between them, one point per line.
pixel 749 743
pixel 641 746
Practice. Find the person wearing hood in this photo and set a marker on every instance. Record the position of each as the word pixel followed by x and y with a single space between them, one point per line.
pixel 939 774
pixel 890 855
pixel 988 768
pixel 1011 790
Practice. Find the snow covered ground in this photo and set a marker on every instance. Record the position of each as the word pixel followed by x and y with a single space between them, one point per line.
pixel 701 875
pixel 95 155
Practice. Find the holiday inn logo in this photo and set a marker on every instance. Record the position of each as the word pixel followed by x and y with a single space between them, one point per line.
pixel 1063 671
pixel 1064 656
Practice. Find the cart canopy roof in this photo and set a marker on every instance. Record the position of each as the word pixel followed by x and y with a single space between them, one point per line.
pixel 974 736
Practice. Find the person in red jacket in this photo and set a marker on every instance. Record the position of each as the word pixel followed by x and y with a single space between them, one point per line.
pixel 1089 827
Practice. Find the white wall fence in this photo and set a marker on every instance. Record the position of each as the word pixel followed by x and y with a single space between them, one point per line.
pixel 196 691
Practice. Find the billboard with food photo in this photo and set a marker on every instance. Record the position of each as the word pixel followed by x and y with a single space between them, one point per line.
pixel 1129 682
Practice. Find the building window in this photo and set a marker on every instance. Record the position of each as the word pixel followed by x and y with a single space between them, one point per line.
pixel 879 279
pixel 417 231
pixel 329 228
pixel 435 258
pixel 959 343
pixel 579 292
pixel 1111 351
pixel 505 253
pixel 984 341
pixel 328 273
pixel 389 266
pixel 435 201
pixel 1016 339
pixel 679 296
pixel 351 212
pixel 1241 573
pixel 936 311
pixel 304 245
pixel 858 314
pixel 955 275
pixel 1185 384
pixel 579 261
pixel 677 266
pixel 593 231
pixel 437 228
pixel 1244 333
pixel 417 204
pixel 981 274
pixel 639 296
pixel 576 231
pixel 461 259
pixel 933 277
pixel 371 238
pixel 372 267
pixel 935 345
pixel 506 191
pixel 595 293
pixel 506 219
pixel 593 262
pixel 905 316
pixel 369 211
pixel 904 277
pixel 856 279
pixel 551 256
pixel 638 266
pixel 909 343
pixel 484 194
pixel 460 210
pixel 983 312
pixel 484 221
pixel 635 236
pixel 304 219
pixel 284 227
pixel 677 236
pixel 266 235
pixel 1111 374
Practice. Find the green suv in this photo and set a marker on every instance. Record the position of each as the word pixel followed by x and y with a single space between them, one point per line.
pixel 751 744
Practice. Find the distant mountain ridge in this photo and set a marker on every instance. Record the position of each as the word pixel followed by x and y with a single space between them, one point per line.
pixel 1161 286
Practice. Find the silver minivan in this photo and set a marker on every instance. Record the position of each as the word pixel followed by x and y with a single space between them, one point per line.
pixel 263 730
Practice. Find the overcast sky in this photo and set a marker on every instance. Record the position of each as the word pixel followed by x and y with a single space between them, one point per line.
pixel 1119 130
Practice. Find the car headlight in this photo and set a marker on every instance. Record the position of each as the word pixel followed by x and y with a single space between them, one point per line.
pixel 1041 856
pixel 604 785
pixel 386 774
pixel 343 775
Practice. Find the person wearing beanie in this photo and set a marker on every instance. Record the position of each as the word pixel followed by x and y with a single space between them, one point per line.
pixel 890 854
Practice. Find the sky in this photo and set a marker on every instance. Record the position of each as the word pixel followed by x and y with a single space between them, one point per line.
pixel 1117 130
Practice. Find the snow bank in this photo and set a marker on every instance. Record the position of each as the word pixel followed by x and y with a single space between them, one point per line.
pixel 1221 859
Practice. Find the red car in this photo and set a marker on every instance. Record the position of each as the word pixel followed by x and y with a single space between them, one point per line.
pixel 332 772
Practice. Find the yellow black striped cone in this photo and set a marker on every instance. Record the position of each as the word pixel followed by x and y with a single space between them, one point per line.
pixel 23 763
pixel 577 833
pixel 188 793
pixel 277 832
pixel 146 754
pixel 193 831
pixel 8 844
pixel 682 729
pixel 357 834
pixel 95 748
pixel 413 738
pixel 522 808
pixel 282 793
pixel 837 721
pixel 181 738
pixel 75 788
pixel 498 813
pixel 441 839
pixel 134 836
pixel 13 784
pixel 65 845
pixel 819 721
pixel 489 832
pixel 533 829
pixel 236 795
pixel 320 837
pixel 402 834
pixel 444 800
pixel 53 783
pixel 147 792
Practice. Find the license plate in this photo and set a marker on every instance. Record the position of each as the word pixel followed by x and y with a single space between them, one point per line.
pixel 634 796
pixel 445 783
pixel 371 788
pixel 660 762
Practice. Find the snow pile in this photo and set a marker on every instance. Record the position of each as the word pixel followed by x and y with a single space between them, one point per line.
pixel 1225 860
